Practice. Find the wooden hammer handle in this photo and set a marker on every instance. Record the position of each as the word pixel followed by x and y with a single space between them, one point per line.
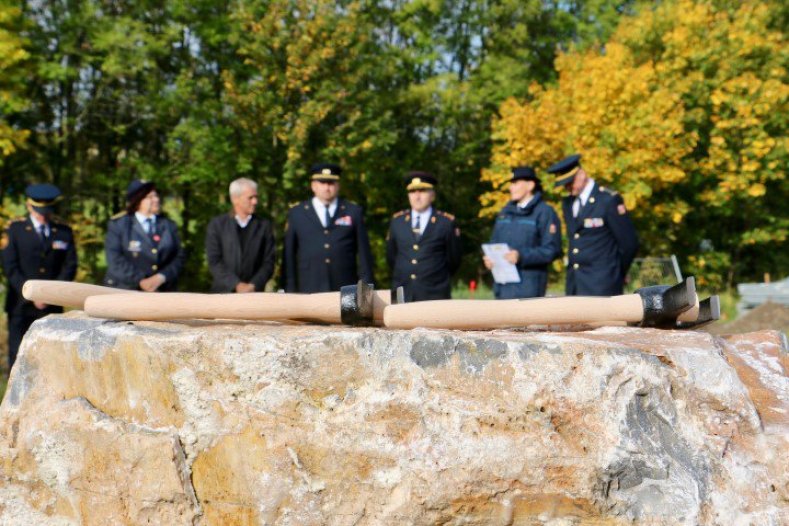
pixel 476 314
pixel 322 307
pixel 65 293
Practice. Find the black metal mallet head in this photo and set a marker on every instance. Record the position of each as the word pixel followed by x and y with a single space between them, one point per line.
pixel 709 311
pixel 356 304
pixel 663 303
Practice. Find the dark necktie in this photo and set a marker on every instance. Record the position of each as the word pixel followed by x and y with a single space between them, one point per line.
pixel 416 229
pixel 328 217
pixel 42 229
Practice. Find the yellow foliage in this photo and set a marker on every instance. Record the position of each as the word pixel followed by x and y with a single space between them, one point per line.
pixel 640 110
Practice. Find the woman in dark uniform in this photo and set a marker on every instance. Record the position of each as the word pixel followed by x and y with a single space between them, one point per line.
pixel 142 245
pixel 531 229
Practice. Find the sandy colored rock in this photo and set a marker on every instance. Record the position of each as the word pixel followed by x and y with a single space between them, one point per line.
pixel 204 423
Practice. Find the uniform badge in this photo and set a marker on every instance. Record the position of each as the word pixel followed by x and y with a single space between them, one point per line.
pixel 135 245
pixel 344 221
pixel 593 222
pixel 457 232
pixel 59 245
pixel 157 238
pixel 621 209
pixel 552 228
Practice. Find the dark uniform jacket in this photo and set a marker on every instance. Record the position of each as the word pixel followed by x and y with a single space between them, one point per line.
pixel 319 259
pixel 133 255
pixel 602 244
pixel 229 263
pixel 534 231
pixel 26 257
pixel 423 265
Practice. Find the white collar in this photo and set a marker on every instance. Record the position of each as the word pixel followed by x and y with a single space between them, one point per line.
pixel 525 202
pixel 243 222
pixel 587 191
pixel 142 217
pixel 425 214
pixel 37 225
pixel 318 205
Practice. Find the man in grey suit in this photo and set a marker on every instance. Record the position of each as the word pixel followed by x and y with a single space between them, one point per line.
pixel 240 245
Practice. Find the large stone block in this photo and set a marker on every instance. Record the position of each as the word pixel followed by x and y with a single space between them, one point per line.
pixel 255 423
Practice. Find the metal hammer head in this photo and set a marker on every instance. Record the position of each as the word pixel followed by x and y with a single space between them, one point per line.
pixel 709 311
pixel 663 303
pixel 356 304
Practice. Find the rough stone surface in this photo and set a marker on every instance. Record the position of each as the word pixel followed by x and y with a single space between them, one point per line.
pixel 231 423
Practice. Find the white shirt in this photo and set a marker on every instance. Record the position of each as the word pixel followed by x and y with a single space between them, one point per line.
pixel 424 217
pixel 583 197
pixel 320 209
pixel 37 226
pixel 243 222
pixel 145 225
pixel 525 202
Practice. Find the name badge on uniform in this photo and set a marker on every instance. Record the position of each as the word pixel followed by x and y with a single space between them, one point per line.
pixel 59 245
pixel 135 245
pixel 593 222
pixel 344 221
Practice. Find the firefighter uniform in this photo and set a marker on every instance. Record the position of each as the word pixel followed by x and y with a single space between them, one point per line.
pixel 601 236
pixel 322 257
pixel 35 250
pixel 423 263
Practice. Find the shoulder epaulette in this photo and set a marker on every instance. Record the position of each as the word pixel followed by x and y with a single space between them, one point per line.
pixel 445 214
pixel 18 219
pixel 400 213
pixel 119 215
pixel 608 190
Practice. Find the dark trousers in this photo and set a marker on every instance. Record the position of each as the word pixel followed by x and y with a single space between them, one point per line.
pixel 17 327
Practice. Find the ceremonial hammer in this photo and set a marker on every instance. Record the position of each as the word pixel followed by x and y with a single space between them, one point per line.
pixel 356 304
pixel 660 306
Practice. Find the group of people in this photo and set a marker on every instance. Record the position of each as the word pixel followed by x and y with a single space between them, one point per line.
pixel 326 245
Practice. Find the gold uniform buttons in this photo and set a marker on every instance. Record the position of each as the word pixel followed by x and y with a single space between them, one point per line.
pixel 42 270
pixel 326 232
pixel 575 251
pixel 576 236
pixel 154 267
pixel 413 276
pixel 416 247
pixel 413 262
pixel 326 245
pixel 575 265
pixel 328 260
pixel 154 251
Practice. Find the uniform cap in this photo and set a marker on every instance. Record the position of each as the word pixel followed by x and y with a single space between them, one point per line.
pixel 524 172
pixel 42 197
pixel 420 181
pixel 565 169
pixel 138 188
pixel 325 172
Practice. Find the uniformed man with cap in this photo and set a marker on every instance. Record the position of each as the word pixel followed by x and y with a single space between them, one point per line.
pixel 35 247
pixel 423 244
pixel 142 245
pixel 602 239
pixel 323 238
pixel 531 229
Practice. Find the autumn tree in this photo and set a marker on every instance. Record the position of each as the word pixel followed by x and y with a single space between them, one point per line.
pixel 684 112
pixel 12 57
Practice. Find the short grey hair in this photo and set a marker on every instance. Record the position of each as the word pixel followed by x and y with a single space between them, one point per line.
pixel 237 186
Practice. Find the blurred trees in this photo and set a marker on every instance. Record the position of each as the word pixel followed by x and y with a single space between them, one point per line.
pixel 194 93
pixel 684 112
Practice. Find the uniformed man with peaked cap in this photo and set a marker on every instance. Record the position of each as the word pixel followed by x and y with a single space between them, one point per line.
pixel 324 236
pixel 35 247
pixel 423 244
pixel 602 239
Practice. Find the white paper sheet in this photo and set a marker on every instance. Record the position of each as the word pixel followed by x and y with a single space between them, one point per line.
pixel 503 271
